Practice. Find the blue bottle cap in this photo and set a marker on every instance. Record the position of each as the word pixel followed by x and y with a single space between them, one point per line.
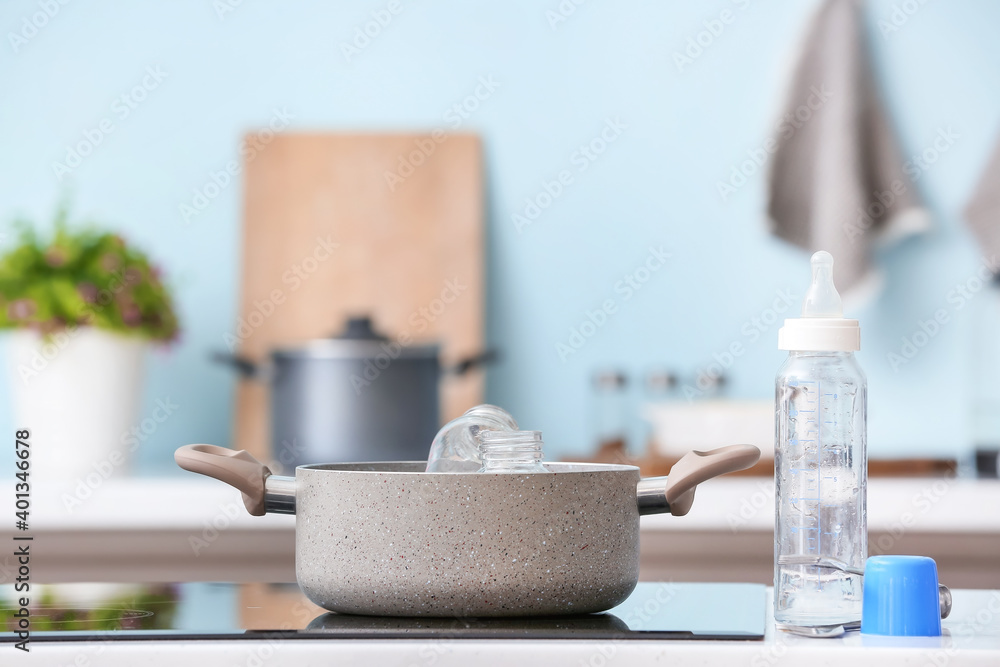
pixel 901 597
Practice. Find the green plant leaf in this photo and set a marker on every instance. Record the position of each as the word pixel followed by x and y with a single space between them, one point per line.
pixel 82 276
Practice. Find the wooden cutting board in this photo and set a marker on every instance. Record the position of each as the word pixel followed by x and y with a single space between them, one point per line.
pixel 340 225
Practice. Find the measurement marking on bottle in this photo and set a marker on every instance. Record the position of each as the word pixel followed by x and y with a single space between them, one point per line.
pixel 806 435
pixel 819 495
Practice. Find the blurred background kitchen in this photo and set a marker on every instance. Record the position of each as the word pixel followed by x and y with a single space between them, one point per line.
pixel 558 80
pixel 616 203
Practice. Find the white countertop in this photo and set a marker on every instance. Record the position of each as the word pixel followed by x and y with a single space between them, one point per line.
pixel 972 638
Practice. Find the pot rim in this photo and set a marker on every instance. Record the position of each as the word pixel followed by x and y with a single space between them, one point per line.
pixel 386 467
pixel 332 348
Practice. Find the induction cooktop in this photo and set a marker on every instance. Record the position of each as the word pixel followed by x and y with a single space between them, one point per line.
pixel 199 611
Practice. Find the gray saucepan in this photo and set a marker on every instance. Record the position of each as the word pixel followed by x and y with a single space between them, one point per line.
pixel 388 539
pixel 356 396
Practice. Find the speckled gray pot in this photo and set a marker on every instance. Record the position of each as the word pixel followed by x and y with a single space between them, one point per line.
pixel 389 539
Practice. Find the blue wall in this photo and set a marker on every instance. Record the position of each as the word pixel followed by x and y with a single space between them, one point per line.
pixel 654 185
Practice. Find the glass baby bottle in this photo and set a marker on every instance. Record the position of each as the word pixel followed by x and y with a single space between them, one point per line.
pixel 511 451
pixel 820 461
pixel 456 447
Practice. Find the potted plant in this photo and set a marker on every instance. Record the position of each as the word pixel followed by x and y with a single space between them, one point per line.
pixel 82 306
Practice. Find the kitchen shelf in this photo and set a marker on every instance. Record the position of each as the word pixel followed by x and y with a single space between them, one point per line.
pixel 180 529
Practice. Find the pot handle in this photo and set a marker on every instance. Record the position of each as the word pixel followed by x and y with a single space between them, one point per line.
pixel 236 468
pixel 471 363
pixel 675 492
pixel 246 367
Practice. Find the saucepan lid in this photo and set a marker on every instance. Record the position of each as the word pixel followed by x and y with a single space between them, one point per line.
pixel 360 340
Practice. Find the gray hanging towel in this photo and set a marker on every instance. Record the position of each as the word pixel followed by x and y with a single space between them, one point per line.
pixel 837 180
pixel 983 210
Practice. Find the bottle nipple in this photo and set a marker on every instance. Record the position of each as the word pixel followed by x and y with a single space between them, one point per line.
pixel 822 299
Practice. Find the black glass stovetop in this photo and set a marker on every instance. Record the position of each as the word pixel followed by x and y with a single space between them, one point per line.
pixel 200 611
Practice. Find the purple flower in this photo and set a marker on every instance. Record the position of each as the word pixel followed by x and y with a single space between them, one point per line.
pixel 21 309
pixel 131 315
pixel 110 262
pixel 132 276
pixel 88 292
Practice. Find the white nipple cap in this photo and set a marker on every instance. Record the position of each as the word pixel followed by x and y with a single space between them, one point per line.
pixel 822 327
pixel 822 299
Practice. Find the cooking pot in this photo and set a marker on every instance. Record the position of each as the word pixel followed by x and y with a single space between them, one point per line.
pixel 358 396
pixel 388 539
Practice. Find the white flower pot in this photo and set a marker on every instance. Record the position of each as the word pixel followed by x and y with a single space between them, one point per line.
pixel 78 393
